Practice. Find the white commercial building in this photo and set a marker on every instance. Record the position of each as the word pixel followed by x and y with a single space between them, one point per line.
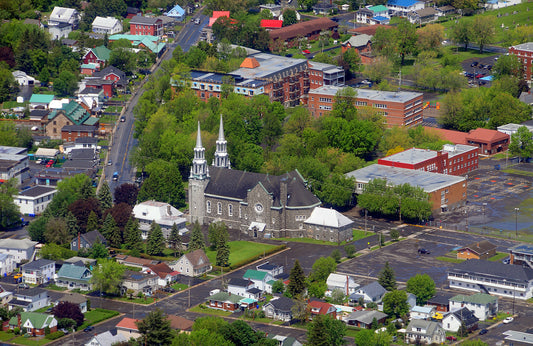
pixel 34 201
pixel 161 213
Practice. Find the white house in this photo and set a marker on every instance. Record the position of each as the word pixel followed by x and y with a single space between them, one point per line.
pixel 509 129
pixel 91 97
pixel 7 264
pixel 422 312
pixel 161 213
pixel 452 321
pixel 244 288
pixel 60 31
pixel 34 200
pixel 23 79
pixel 403 7
pixel 107 25
pixel 345 283
pixel 482 305
pixel 193 263
pixel 64 15
pixel 30 299
pixel 15 163
pixel 20 249
pixel 425 332
pixel 39 271
pixel 106 339
pixel 262 280
pixel 373 292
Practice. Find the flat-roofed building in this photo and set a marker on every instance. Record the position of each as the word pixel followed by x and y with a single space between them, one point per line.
pixel 511 128
pixel 324 74
pixel 400 108
pixel 311 30
pixel 34 200
pixel 524 52
pixel 445 192
pixel 14 163
pixel 522 254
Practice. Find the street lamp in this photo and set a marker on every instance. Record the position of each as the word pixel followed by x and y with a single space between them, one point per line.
pixel 516 210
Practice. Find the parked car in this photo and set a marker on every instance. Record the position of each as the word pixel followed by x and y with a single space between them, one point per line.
pixel 488 67
pixel 483 332
pixel 474 64
pixel 508 320
pixel 480 75
pixel 88 329
pixel 451 338
pixel 122 119
pixel 506 260
pixel 109 163
pixel 23 285
pixel 115 176
pixel 169 290
pixel 423 251
pixel 197 21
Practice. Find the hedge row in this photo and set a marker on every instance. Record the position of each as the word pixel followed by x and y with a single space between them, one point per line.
pixel 55 335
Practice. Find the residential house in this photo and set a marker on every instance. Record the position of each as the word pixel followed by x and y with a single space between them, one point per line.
pixel 86 142
pixel 139 283
pixel 23 79
pixel 91 97
pixel 522 254
pixel 33 323
pixel 34 200
pixel 224 301
pixel 329 225
pixel 425 332
pixel 64 15
pixel 275 10
pixel 69 133
pixel 422 312
pixel 115 75
pixel 7 264
pixel 402 7
pixel 71 113
pixel 127 327
pixel 452 321
pixel 423 16
pixel 193 263
pixel 440 301
pixel 479 250
pixel 59 31
pixel 107 339
pixel 371 293
pixel 177 13
pixel 40 101
pixel 140 25
pixel 99 55
pixel 38 272
pixel 162 214
pixel 75 298
pixel 87 240
pixel 345 283
pixel 30 299
pixel 73 276
pixel 284 340
pixel 317 307
pixel 135 261
pixel 493 278
pixel 166 275
pixel 361 44
pixel 372 15
pixel 244 288
pixel 180 323
pixel 5 296
pixel 15 163
pixel 365 318
pixel 482 305
pixel 106 25
pixel 262 280
pixel 445 10
pixel 20 249
pixel 271 268
pixel 279 308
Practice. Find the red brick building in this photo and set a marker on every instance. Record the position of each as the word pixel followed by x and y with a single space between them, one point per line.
pixel 146 26
pixel 487 141
pixel 70 133
pixel 524 52
pixel 401 108
pixel 452 159
pixel 362 44
pixel 310 29
pixel 324 74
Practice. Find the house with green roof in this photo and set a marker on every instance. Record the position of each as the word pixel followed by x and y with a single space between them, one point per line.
pixel 40 101
pixel 150 42
pixel 98 55
pixel 482 305
pixel 225 301
pixel 74 276
pixel 71 113
pixel 262 280
pixel 33 323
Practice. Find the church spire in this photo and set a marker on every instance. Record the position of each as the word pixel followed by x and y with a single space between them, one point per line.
pixel 221 154
pixel 199 164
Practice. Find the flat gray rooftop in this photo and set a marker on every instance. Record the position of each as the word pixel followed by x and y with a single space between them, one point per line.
pixel 513 335
pixel 4 150
pixel 374 95
pixel 269 64
pixel 412 156
pixel 397 176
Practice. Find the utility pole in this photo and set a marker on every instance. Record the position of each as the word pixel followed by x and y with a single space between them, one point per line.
pixel 400 205
pixel 189 293
pixel 365 220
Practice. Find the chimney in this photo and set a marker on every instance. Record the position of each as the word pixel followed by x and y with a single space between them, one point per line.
pixel 169 211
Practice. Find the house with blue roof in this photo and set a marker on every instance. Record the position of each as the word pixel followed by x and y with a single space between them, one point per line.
pixel 401 8
pixel 422 312
pixel 177 13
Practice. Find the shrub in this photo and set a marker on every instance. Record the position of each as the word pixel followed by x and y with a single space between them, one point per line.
pixel 55 335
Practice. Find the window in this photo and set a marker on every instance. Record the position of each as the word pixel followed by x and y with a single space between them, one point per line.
pixel 208 207
pixel 380 105
pixel 219 208
pixel 230 210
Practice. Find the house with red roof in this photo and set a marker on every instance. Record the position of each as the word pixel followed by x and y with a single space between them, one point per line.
pixel 216 15
pixel 487 141
pixel 166 275
pixel 317 307
pixel 270 24
pixel 128 328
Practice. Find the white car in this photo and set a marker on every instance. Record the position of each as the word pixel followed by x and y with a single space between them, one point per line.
pixel 508 320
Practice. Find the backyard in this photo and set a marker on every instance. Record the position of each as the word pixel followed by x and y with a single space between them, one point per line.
pixel 242 252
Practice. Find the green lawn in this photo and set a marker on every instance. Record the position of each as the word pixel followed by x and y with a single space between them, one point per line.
pixel 108 119
pixel 56 288
pixel 449 259
pixel 179 287
pixel 498 257
pixel 4 336
pixel 359 234
pixel 21 340
pixel 241 251
pixel 143 300
pixel 209 311
pixel 97 315
pixel 518 172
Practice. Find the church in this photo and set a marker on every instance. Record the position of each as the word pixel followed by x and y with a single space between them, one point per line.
pixel 261 205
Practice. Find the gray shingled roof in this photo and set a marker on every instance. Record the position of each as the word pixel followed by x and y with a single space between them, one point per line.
pixel 373 289
pixel 465 315
pixel 282 304
pixel 38 264
pixel 366 316
pixel 497 270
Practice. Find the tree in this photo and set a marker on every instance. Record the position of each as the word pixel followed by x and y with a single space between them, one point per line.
pixel 317 289
pixel 37 229
pixel 462 32
pixel 223 250
pixel 379 69
pixel 126 193
pixel 99 251
pixel 174 240
pixel 155 328
pixel 296 284
pixel 111 231
pixel 289 17
pixel 364 337
pixel 132 235
pixel 123 59
pixel 68 310
pixel 107 276
pixel 387 278
pixel 422 286
pixel 337 296
pixel 352 61
pixel 324 58
pixel 521 143
pixel 462 331
pixel 92 222
pixel 507 65
pixel 197 237
pixel 66 83
pixel 394 234
pixel 9 211
pixel 322 268
pixel 430 37
pixel 349 250
pixel 164 184
pixel 325 331
pixel 55 252
pixel 56 231
pixel 81 209
pixel 156 241
pixel 395 304
pixel 336 255
pixel 104 196
pixel 278 286
pixel 407 37
pixel 483 31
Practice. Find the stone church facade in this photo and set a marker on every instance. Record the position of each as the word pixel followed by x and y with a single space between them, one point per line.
pixel 260 205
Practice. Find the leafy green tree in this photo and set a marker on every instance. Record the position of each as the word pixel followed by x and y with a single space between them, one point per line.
pixel 407 39
pixel 72 224
pixel 174 240
pixel 104 196
pixel 107 276
pixel 164 184
pixel 278 286
pixel 395 304
pixel 324 58
pixel 337 190
pixel 99 251
pixel 156 241
pixel 66 83
pixel 7 84
pixel 197 237
pixel 123 59
pixel 317 289
pixel 336 255
pixel 132 235
pixel 322 268
pixel 364 337
pixel 462 331
pixel 462 32
pixel 55 252
pixel 422 286
pixel 9 211
pixel 297 283
pixel 521 143
pixel 324 330
pixel 289 17
pixel 338 296
pixel 430 37
pixel 92 222
pixel 57 231
pixel 387 278
pixel 352 61
pixel 37 229
pixel 507 65
pixel 155 328
pixel 349 250
pixel 394 234
pixel 483 31
pixel 111 232
pixel 379 69
pixel 223 250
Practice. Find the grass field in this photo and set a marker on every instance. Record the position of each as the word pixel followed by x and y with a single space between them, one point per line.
pixel 21 340
pixel 97 315
pixel 241 251
pixel 209 311
pixel 498 257
pixel 179 287
pixel 518 172
pixel 449 259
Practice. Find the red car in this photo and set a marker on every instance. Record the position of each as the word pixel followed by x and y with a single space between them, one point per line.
pixel 306 51
pixel 451 338
pixel 480 75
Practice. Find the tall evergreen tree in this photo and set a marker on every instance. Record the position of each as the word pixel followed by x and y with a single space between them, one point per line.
pixel 107 226
pixel 156 242
pixel 86 190
pixel 104 196
pixel 132 235
pixel 296 284
pixel 92 222
pixel 197 237
pixel 222 258
pixel 72 224
pixel 387 278
pixel 112 232
pixel 155 329
pixel 324 330
pixel 174 240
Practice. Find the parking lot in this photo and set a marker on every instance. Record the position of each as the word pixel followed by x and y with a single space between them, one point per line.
pixel 477 69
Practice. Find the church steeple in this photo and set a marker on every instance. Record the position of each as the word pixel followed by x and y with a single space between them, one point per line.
pixel 221 154
pixel 199 164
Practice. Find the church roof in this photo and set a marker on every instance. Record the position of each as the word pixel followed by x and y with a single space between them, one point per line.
pixel 236 184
